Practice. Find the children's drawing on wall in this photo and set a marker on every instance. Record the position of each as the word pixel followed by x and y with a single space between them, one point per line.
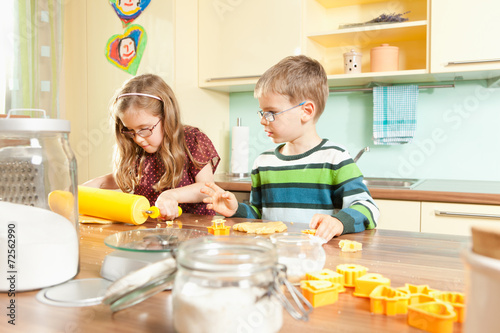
pixel 125 51
pixel 129 10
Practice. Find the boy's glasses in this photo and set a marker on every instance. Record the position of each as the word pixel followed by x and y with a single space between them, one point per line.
pixel 269 115
pixel 143 133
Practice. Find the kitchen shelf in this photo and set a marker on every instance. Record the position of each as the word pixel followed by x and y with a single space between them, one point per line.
pixel 344 3
pixel 372 34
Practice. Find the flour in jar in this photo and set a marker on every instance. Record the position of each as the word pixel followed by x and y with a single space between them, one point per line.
pixel 230 309
pixel 296 268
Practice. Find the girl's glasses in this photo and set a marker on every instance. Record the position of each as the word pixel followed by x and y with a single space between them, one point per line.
pixel 269 115
pixel 143 133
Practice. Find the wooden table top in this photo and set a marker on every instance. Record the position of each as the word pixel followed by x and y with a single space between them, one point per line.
pixel 404 257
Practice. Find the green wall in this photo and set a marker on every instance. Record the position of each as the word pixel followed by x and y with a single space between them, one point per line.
pixel 458 132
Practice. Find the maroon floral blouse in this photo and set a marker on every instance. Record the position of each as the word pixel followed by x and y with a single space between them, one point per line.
pixel 202 150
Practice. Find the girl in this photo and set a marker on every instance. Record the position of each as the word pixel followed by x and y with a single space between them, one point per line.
pixel 155 155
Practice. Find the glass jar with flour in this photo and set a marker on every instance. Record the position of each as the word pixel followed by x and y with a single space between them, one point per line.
pixel 229 284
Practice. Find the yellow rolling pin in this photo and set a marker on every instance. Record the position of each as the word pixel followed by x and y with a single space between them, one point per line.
pixel 116 206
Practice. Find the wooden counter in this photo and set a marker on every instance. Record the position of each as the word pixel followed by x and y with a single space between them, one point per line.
pixel 404 257
pixel 430 190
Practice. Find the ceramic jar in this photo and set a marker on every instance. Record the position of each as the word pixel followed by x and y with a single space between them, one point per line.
pixel 352 62
pixel 384 58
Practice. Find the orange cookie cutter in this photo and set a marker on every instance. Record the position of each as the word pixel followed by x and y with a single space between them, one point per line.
pixel 328 275
pixel 418 293
pixel 351 272
pixel 456 300
pixel 218 228
pixel 388 301
pixel 320 292
pixel 365 284
pixel 434 317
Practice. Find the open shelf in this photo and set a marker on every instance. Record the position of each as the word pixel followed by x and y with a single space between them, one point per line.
pixel 372 34
pixel 343 3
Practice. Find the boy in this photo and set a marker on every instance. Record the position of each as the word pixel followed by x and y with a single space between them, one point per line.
pixel 305 179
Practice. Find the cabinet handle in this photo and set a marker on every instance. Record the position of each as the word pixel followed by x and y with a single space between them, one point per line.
pixel 486 216
pixel 450 63
pixel 232 78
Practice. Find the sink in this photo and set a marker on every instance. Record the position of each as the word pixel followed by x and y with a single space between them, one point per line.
pixel 406 183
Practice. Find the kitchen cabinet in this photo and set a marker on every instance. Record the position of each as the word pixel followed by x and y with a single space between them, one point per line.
pixel 240 40
pixel 399 215
pixel 443 39
pixel 464 35
pixel 457 219
pixel 327 41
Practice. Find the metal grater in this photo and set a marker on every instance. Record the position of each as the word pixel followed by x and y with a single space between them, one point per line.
pixel 21 176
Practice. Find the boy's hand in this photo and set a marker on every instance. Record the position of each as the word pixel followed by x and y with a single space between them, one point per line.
pixel 223 202
pixel 326 226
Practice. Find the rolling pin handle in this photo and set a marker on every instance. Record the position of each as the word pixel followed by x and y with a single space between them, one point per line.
pixel 153 212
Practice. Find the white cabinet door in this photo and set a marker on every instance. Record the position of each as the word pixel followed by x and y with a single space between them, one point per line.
pixel 457 219
pixel 240 39
pixel 464 35
pixel 399 215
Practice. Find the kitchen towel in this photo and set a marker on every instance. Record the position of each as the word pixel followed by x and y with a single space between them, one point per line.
pixel 394 114
pixel 240 151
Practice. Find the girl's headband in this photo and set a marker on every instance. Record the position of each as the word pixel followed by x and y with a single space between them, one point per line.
pixel 139 94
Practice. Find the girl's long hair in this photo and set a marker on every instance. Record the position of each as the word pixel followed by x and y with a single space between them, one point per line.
pixel 128 157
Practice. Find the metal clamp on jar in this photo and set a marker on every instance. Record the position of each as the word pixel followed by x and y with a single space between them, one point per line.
pixel 222 284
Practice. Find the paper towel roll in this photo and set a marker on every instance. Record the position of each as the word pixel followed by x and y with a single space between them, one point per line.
pixel 239 150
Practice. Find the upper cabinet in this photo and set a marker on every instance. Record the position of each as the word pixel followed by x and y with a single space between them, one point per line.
pixel 333 27
pixel 464 36
pixel 442 40
pixel 240 40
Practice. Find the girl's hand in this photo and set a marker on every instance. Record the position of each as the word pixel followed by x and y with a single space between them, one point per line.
pixel 326 226
pixel 167 204
pixel 223 202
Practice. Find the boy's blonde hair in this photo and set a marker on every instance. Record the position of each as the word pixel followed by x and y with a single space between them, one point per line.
pixel 128 156
pixel 299 78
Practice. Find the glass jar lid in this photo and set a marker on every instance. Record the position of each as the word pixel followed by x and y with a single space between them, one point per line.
pixel 152 240
pixel 43 124
pixel 227 254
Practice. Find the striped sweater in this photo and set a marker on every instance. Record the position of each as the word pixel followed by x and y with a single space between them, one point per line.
pixel 323 180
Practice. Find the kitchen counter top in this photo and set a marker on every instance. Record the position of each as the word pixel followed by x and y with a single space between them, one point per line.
pixel 437 190
pixel 404 257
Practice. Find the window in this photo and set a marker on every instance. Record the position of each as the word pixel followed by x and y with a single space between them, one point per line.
pixel 31 59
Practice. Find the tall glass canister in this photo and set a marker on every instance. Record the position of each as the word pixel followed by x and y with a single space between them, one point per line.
pixel 38 204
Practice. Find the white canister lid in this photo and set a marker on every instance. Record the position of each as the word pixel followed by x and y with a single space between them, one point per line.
pixel 34 125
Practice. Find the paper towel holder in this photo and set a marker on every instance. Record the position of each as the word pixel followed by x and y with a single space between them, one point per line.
pixel 238 174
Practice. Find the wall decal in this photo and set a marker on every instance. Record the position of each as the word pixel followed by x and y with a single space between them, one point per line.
pixel 129 10
pixel 125 51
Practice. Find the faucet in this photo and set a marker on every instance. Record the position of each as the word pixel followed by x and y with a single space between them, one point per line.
pixel 361 152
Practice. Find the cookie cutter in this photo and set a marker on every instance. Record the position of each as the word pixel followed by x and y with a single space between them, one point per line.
pixel 418 293
pixel 351 272
pixel 388 301
pixel 434 317
pixel 328 275
pixel 218 228
pixel 457 300
pixel 320 292
pixel 366 283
